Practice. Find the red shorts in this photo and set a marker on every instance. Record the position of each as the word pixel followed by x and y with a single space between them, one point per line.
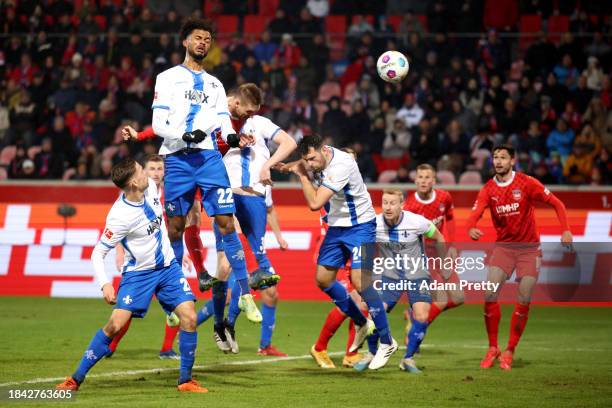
pixel 436 275
pixel 526 261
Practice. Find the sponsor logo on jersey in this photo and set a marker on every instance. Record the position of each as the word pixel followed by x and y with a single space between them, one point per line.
pixel 507 208
pixel 195 96
pixel 516 194
pixel 436 221
pixel 108 233
pixel 155 225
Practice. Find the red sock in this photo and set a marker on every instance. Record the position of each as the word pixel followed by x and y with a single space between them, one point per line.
pixel 434 311
pixel 169 337
pixel 118 336
pixel 333 320
pixel 450 304
pixel 492 317
pixel 517 324
pixel 195 247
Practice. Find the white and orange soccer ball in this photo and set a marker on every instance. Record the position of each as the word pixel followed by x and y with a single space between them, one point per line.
pixel 392 66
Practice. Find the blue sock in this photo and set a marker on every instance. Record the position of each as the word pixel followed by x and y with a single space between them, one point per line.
pixel 233 311
pixel 373 342
pixel 341 298
pixel 415 337
pixel 260 254
pixel 97 349
pixel 177 246
pixel 219 293
pixel 187 346
pixel 267 325
pixel 235 255
pixel 205 312
pixel 376 307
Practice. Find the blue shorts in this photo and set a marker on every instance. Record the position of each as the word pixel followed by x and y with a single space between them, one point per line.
pixel 343 243
pixel 203 169
pixel 391 297
pixel 136 290
pixel 252 215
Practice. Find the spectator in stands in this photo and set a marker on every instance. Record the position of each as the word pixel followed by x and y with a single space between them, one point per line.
pixel 251 70
pixel 307 78
pixel 47 164
pixel 305 113
pixel 334 122
pixel 533 142
pixel 358 125
pixel 24 73
pixel 24 118
pixel 437 16
pixel 472 98
pixel 571 117
pixel 15 168
pixel 603 165
pixel 509 122
pixel 225 71
pixel 397 140
pixel 376 138
pixel 364 162
pixel 424 146
pixel 578 166
pixel 411 113
pixel 590 141
pixel 307 26
pixel 543 175
pixel 455 146
pixel 496 94
pixel 288 52
pixel 410 24
pixel 5 122
pixel 466 117
pixel 566 72
pixel 560 140
pixel 317 53
pixel 265 49
pixel 279 25
pixel 599 49
pixel 415 51
pixel 581 96
pixel 482 140
pixel 367 93
pixel 597 115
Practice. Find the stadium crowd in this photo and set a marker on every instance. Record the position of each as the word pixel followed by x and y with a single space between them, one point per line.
pixel 74 73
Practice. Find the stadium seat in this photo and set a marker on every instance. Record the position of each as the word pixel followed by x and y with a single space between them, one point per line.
pixel 423 19
pixel 368 18
pixel 268 7
pixel 227 24
pixel 557 25
pixel 329 90
pixel 480 156
pixel 529 25
pixel 335 27
pixel 3 174
pixel 7 155
pixel 254 24
pixel 349 90
pixel 445 177
pixel 470 178
pixel 69 173
pixel 387 176
pixel 33 151
pixel 395 21
pixel 100 21
pixel 412 175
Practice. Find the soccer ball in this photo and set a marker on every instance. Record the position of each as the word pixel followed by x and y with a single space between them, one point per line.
pixel 392 66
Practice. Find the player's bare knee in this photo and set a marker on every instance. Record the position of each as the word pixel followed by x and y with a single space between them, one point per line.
pixel 188 320
pixel 112 327
pixel 176 226
pixel 458 297
pixel 225 223
pixel 491 296
pixel 269 296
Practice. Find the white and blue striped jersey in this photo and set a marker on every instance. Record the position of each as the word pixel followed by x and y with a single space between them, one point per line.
pixel 269 201
pixel 141 230
pixel 407 239
pixel 244 165
pixel 194 100
pixel 351 204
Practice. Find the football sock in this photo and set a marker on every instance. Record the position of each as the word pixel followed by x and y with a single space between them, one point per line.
pixel 492 317
pixel 169 337
pixel 260 255
pixel 267 325
pixel 351 338
pixel 233 311
pixel 333 321
pixel 434 311
pixel 235 255
pixel 517 324
pixel 376 308
pixel 345 303
pixel 97 349
pixel 219 295
pixel 415 337
pixel 205 312
pixel 373 342
pixel 187 346
pixel 177 247
pixel 113 345
pixel 195 247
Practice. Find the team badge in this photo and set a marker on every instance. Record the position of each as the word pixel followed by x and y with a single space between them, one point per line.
pixel 170 209
pixel 516 194
pixel 442 207
pixel 108 233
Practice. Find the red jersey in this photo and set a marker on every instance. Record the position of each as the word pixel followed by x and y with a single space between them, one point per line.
pixel 512 206
pixel 437 209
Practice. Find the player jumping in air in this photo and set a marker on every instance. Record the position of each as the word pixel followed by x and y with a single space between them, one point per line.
pixel 352 223
pixel 136 221
pixel 402 233
pixel 437 206
pixel 511 198
pixel 189 110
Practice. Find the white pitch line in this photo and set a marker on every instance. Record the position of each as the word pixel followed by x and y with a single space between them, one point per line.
pixel 280 359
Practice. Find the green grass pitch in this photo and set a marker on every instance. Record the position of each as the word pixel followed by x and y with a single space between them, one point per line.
pixel 564 359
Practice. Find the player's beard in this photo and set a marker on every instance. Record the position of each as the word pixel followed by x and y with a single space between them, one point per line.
pixel 503 172
pixel 197 57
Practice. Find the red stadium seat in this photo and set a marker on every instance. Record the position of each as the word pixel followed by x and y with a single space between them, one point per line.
pixel 470 178
pixel 335 27
pixel 387 176
pixel 329 90
pixel 368 18
pixel 33 151
pixel 100 21
pixel 395 21
pixel 69 173
pixel 227 24
pixel 254 24
pixel 268 7
pixel 7 154
pixel 3 173
pixel 557 25
pixel 446 178
pixel 423 19
pixel 529 25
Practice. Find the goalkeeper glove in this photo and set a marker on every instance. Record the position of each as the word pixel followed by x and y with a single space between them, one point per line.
pixel 195 136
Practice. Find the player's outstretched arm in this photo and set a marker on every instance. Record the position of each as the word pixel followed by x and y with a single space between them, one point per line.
pixel 316 198
pixel 286 145
pixel 566 236
pixel 477 210
pixel 275 226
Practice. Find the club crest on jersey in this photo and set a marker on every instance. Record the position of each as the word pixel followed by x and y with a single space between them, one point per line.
pixel 516 194
pixel 171 209
pixel 442 207
pixel 196 96
pixel 156 201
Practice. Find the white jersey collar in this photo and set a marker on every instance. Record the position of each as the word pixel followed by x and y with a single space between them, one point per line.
pixel 504 183
pixel 420 200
